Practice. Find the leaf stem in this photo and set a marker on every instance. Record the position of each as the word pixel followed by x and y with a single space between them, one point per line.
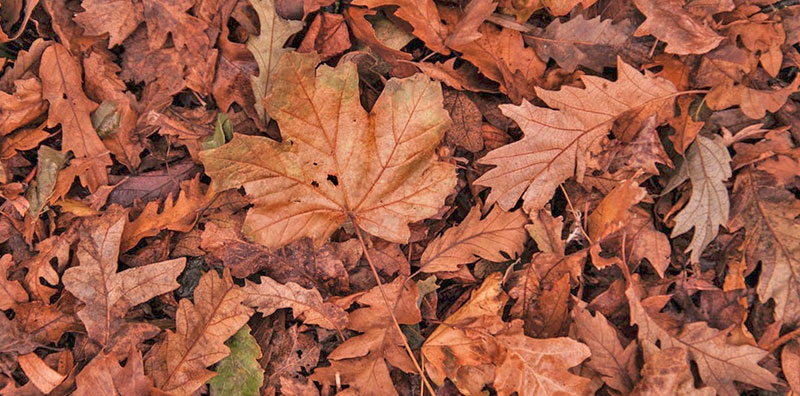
pixel 390 308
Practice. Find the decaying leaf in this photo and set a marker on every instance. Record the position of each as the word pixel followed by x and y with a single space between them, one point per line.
pixel 239 373
pixel 669 22
pixel 269 296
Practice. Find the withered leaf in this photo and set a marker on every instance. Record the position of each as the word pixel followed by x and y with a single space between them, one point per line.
pixel 268 296
pixel 267 48
pixel 719 362
pixel 11 292
pixel 499 232
pixel 422 15
pixel 670 22
pixel 105 376
pixel 557 142
pixel 707 165
pixel 106 293
pixel 69 106
pixel 118 18
pixel 666 372
pixel 178 363
pixel 376 169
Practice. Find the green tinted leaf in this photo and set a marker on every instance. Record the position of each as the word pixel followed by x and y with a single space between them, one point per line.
pixel 239 374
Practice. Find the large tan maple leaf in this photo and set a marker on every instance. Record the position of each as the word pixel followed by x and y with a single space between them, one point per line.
pixel 336 161
pixel 557 142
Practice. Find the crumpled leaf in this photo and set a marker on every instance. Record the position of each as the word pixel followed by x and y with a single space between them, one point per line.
pixel 376 169
pixel 499 232
pixel 557 143
pixel 267 48
pixel 668 21
pixel 178 363
pixel 108 294
pixel 239 373
pixel 707 165
pixel 23 106
pixel 268 296
pixel 718 362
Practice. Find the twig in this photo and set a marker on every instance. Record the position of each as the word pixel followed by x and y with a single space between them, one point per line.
pixel 390 308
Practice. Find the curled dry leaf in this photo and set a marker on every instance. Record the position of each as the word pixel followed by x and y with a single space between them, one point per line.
pixel 11 292
pixel 497 237
pixel 423 17
pixel 376 169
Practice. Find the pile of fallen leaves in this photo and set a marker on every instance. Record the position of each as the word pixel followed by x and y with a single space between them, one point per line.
pixel 400 197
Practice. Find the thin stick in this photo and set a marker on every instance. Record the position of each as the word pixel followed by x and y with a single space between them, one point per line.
pixel 575 214
pixel 390 308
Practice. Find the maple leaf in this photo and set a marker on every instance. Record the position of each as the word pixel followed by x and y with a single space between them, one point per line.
pixel 336 161
pixel 499 232
pixel 105 376
pixel 178 363
pixel 240 372
pixel 423 17
pixel 69 106
pixel 362 361
pixel 767 213
pixel 719 362
pixel 557 142
pixel 707 165
pixel 267 48
pixel 270 296
pixel 108 294
pixel 670 22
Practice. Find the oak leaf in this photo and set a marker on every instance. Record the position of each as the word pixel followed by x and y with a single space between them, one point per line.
pixel 105 376
pixel 766 211
pixel 69 106
pixel 719 362
pixel 363 361
pixel 557 143
pixel 176 214
pixel 499 232
pixel 178 363
pixel 108 294
pixel 118 18
pixel 170 18
pixel 707 165
pixel 269 296
pixel 11 292
pixel 327 35
pixel 668 21
pixel 336 161
pixel 615 364
pixel 423 17
pixel 267 48
pixel 666 372
pixel 21 107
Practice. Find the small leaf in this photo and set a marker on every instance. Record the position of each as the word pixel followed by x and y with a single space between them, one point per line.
pixel 239 373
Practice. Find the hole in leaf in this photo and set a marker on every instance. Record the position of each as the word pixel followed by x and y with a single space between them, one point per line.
pixel 333 179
